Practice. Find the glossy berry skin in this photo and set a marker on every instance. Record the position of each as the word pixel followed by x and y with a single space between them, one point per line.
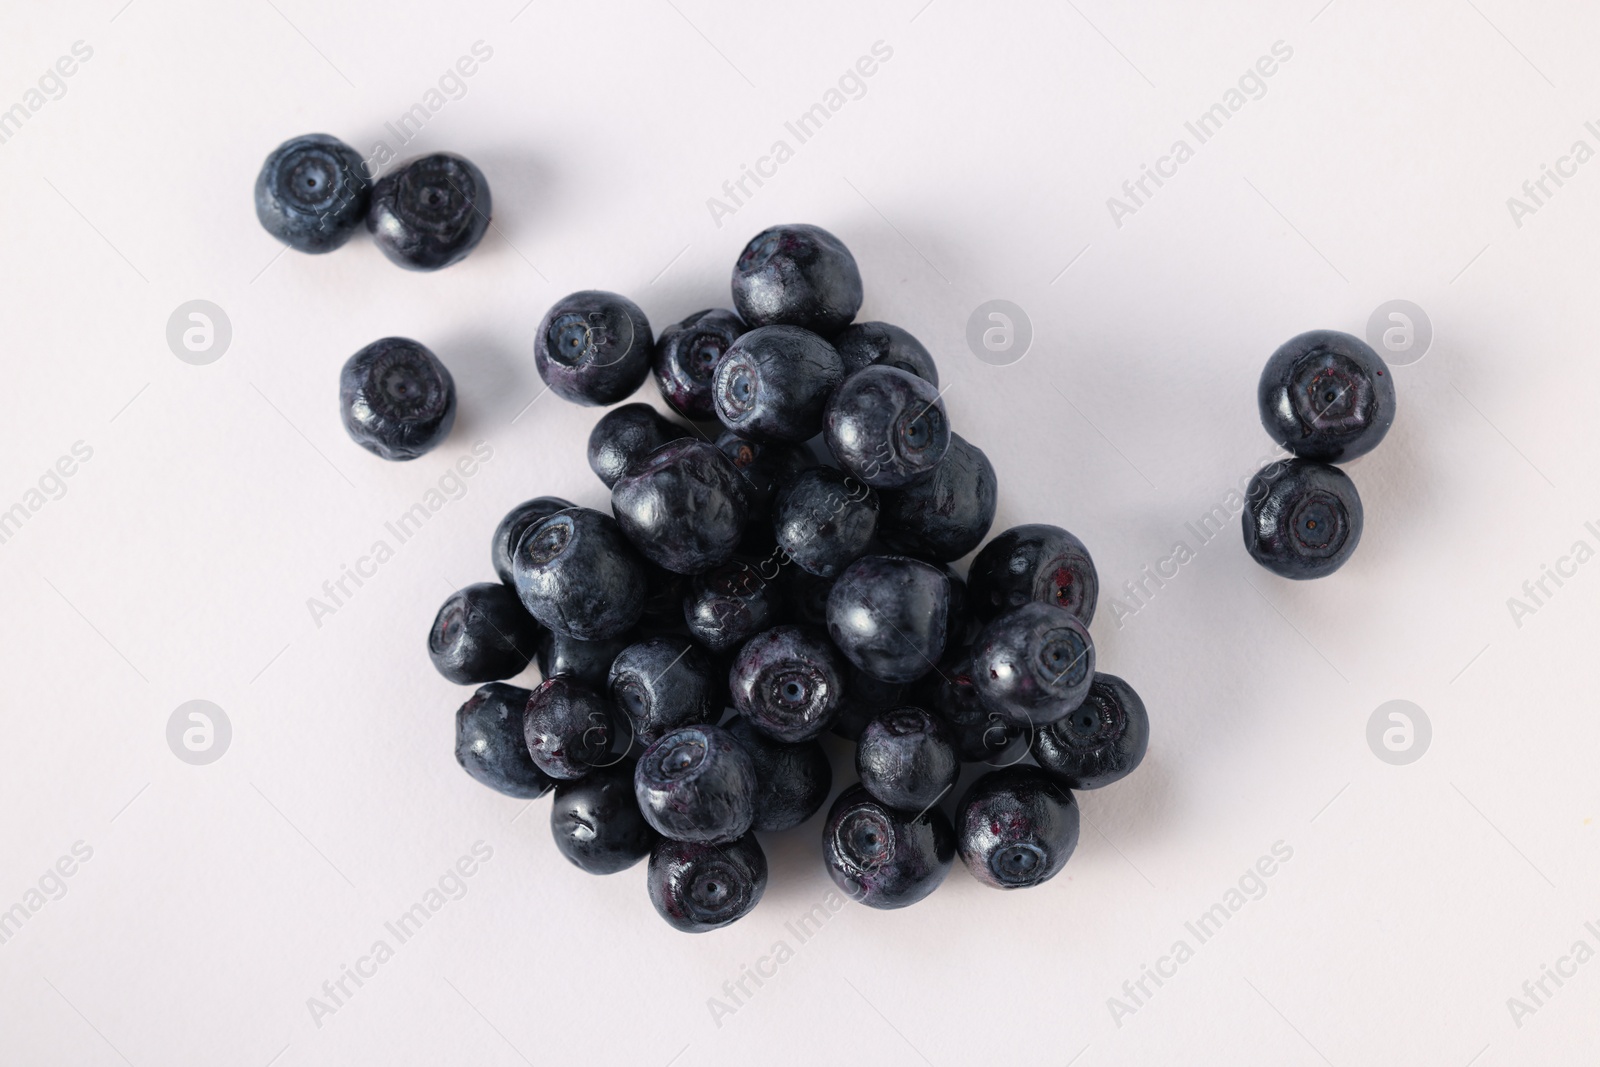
pixel 865 697
pixel 862 344
pixel 947 514
pixel 728 605
pixel 578 574
pixel 885 858
pixel 624 436
pixel 683 506
pixel 1101 742
pixel 824 520
pixel 792 780
pixel 906 760
pixel 588 662
pixel 1034 664
pixel 1326 396
pixel 396 399
pixel 490 745
pixel 888 615
pixel 788 681
pixel 686 358
pixel 312 193
pixel 1017 827
pixel 597 823
pixel 887 427
pixel 1302 519
pixel 593 347
pixel 978 734
pixel 482 634
pixel 662 683
pixel 766 466
pixel 697 783
pixel 797 275
pixel 699 887
pixel 569 728
pixel 430 212
pixel 1033 562
pixel 514 525
pixel 773 384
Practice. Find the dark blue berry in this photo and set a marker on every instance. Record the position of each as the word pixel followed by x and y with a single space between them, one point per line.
pixel 514 525
pixel 1034 664
pixel 1017 827
pixel 864 698
pixel 683 506
pixel 597 823
pixel 862 344
pixel 773 384
pixel 490 744
pixel 797 275
pixel 730 604
pixel 312 193
pixel 792 780
pixel 588 662
pixel 593 347
pixel 906 759
pixel 686 359
pixel 396 399
pixel 947 514
pixel 570 729
pixel 1302 519
pixel 699 887
pixel 430 212
pixel 887 427
pixel 1327 396
pixel 1033 562
pixel 824 520
pixel 662 683
pixel 767 466
pixel 482 634
pixel 1099 743
pixel 978 734
pixel 624 436
pixel 788 682
pixel 885 858
pixel 697 783
pixel 888 615
pixel 577 573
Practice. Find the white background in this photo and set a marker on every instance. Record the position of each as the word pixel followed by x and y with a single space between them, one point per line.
pixel 219 498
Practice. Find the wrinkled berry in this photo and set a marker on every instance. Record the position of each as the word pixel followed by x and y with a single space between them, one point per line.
pixel 887 427
pixel 1099 743
pixel 885 858
pixel 593 347
pixel 597 823
pixel 797 275
pixel 1327 396
pixel 773 384
pixel 862 344
pixel 682 506
pixel 788 682
pixel 626 435
pixel 1034 664
pixel 697 783
pixel 662 683
pixel 698 887
pixel 906 760
pixel 577 573
pixel 686 356
pixel 824 520
pixel 1302 519
pixel 396 399
pixel 482 634
pixel 312 193
pixel 569 728
pixel 947 514
pixel 430 212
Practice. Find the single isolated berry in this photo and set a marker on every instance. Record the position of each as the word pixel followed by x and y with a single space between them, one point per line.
pixel 797 275
pixel 1327 396
pixel 697 783
pixel 888 615
pixel 312 193
pixel 947 514
pixel 1034 664
pixel 727 605
pixel 682 506
pixel 862 344
pixel 824 520
pixel 430 212
pixel 593 348
pixel 773 384
pixel 887 427
pixel 1099 743
pixel 1033 562
pixel 686 359
pixel 698 887
pixel 624 436
pixel 597 823
pixel 1302 519
pixel 514 525
pixel 664 682
pixel 490 745
pixel 788 681
pixel 482 634
pixel 792 781
pixel 885 858
pixel 569 728
pixel 906 759
pixel 1017 827
pixel 396 399
pixel 577 573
